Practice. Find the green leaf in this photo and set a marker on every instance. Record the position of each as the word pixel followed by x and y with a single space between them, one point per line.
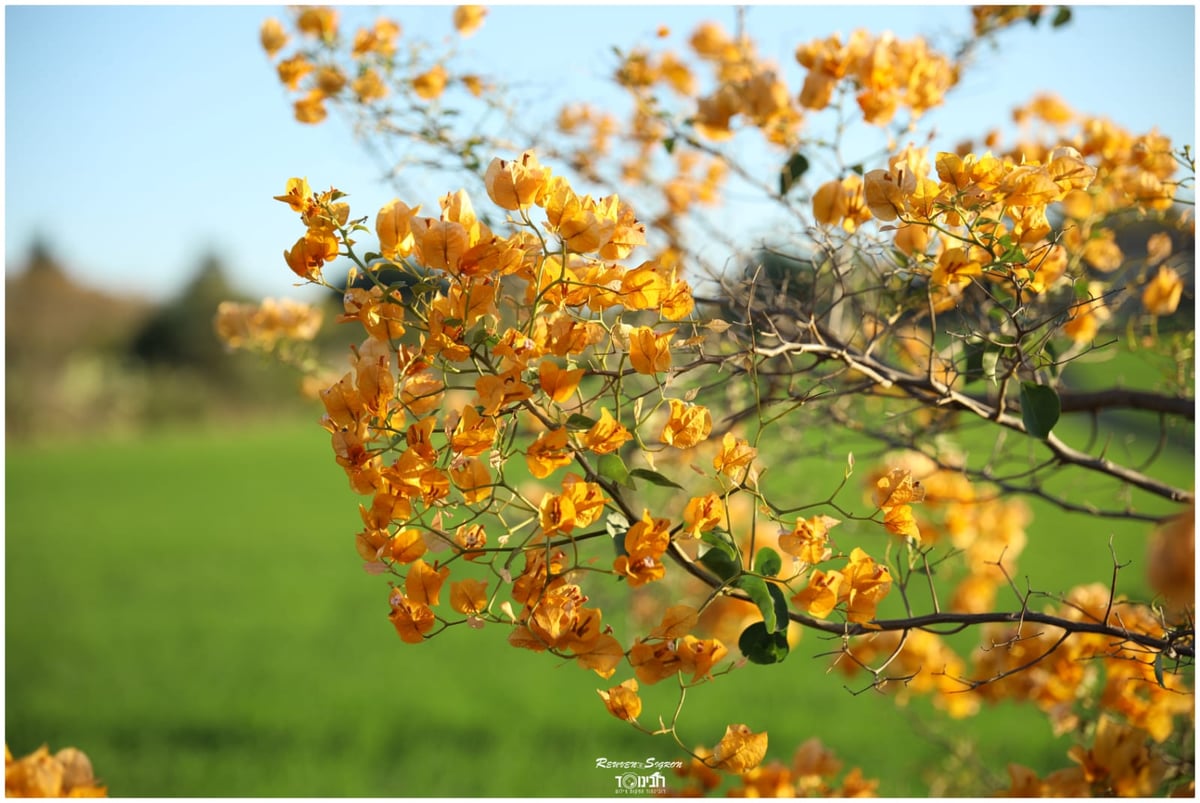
pixel 756 589
pixel 577 422
pixel 719 539
pixel 791 172
pixel 781 607
pixel 1061 18
pixel 655 478
pixel 767 562
pixel 611 467
pixel 990 358
pixel 974 367
pixel 1158 669
pixel 720 563
pixel 761 646
pixel 669 144
pixel 1040 409
pixel 617 525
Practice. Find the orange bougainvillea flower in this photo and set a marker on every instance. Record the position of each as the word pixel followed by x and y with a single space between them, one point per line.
pixel 412 620
pixel 548 452
pixel 558 383
pixel 299 196
pixel 622 701
pixel 822 593
pixel 290 71
pixel 423 584
pixel 699 656
pixel 866 584
pixel 583 224
pixel 645 543
pixel 393 225
pixel 556 514
pixel 677 622
pixel 67 773
pixel 318 21
pixel 606 435
pixel 809 539
pixel 406 546
pixel 497 391
pixel 473 479
pixel 310 253
pixel 740 749
pixel 885 192
pixel 474 434
pixel 516 184
pixel 369 87
pixel 703 513
pixel 639 571
pixel 893 493
pixel 1162 294
pixel 469 596
pixel 467 19
pixel 653 662
pixel 421 392
pixel 429 85
pixel 688 425
pixel 735 456
pixel 648 536
pixel 311 108
pixel 272 36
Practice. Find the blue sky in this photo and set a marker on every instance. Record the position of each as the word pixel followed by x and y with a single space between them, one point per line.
pixel 138 138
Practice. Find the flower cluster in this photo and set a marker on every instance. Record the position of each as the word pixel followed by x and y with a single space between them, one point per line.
pixel 261 326
pixel 888 74
pixel 528 374
pixel 811 773
pixel 67 773
pixel 529 345
pixel 314 72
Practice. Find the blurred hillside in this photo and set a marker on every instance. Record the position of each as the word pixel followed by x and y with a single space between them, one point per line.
pixel 81 361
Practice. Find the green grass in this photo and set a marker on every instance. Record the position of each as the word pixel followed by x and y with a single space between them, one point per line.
pixel 190 611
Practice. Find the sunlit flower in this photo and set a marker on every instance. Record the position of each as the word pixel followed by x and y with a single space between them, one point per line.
pixel 311 252
pixel 67 773
pixel 412 620
pixel 703 513
pixel 1162 293
pixel 516 184
pixel 735 456
pixel 393 225
pixel 549 452
pixel 740 749
pixel 369 87
pixel 809 539
pixel 822 593
pixel 467 19
pixel 622 701
pixel 866 584
pixel 468 596
pixel 429 85
pixel 311 108
pixel 558 383
pixel 473 479
pixel 606 435
pixel 318 21
pixel 272 36
pixel 650 351
pixel 688 425
pixel 474 434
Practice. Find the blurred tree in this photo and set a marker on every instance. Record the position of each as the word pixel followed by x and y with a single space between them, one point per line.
pixel 180 334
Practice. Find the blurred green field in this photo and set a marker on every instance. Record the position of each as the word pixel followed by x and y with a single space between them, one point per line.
pixel 189 610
